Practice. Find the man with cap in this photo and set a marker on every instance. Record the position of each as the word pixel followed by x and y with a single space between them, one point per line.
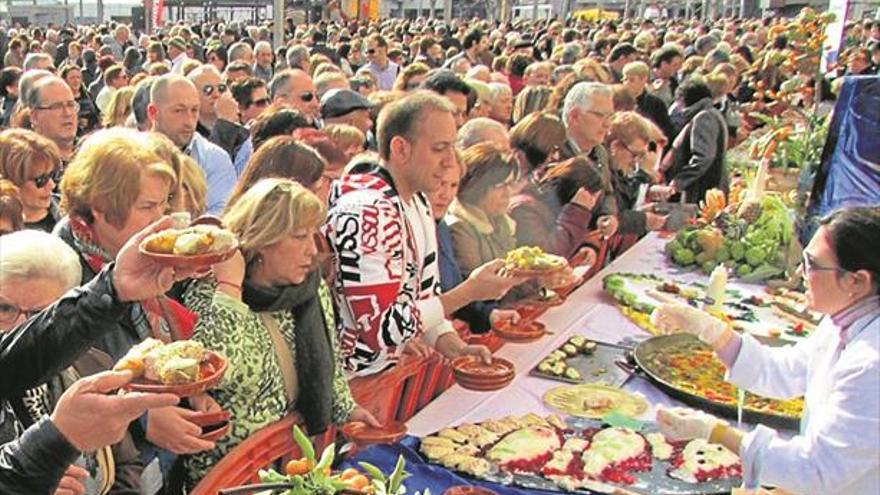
pixel 344 106
pixel 177 53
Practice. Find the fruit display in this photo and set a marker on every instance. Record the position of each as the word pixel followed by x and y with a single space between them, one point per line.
pixel 752 239
pixel 537 452
pixel 312 475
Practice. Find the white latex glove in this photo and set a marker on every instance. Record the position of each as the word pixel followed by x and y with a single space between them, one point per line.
pixel 681 423
pixel 676 318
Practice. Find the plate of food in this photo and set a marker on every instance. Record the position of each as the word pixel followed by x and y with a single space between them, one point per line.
pixel 362 434
pixel 194 246
pixel 469 490
pixel 184 368
pixel 580 360
pixel 533 262
pixel 522 331
pixel 582 456
pixel 595 401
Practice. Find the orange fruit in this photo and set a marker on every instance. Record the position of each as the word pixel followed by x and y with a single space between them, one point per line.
pixel 359 482
pixel 297 467
pixel 348 474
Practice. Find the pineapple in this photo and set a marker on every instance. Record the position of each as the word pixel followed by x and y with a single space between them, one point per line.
pixel 749 210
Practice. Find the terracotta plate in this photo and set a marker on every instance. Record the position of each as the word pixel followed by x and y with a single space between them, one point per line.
pixel 187 389
pixel 471 367
pixel 524 331
pixel 362 434
pixel 483 386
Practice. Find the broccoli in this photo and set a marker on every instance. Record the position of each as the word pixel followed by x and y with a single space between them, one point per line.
pixel 683 257
pixel 755 256
pixel 708 266
pixel 703 257
pixel 737 250
pixel 673 246
pixel 723 254
pixel 743 270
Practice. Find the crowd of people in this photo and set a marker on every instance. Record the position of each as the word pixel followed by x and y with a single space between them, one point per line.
pixel 375 175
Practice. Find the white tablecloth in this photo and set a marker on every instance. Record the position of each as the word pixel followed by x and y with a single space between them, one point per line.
pixel 587 311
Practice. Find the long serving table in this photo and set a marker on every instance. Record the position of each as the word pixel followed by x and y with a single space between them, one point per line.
pixel 588 312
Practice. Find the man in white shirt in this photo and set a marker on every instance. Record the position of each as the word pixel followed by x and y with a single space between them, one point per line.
pixel 177 53
pixel 383 69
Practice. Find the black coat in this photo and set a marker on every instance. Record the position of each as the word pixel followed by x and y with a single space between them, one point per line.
pixel 34 352
pixel 698 152
pixel 654 109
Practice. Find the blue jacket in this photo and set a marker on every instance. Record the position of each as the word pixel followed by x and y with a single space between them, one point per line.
pixel 476 314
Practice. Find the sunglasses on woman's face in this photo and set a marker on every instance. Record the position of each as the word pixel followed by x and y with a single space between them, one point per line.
pixel 307 96
pixel 42 180
pixel 209 89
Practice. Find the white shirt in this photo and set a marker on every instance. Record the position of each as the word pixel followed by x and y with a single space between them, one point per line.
pixel 104 97
pixel 838 449
pixel 177 63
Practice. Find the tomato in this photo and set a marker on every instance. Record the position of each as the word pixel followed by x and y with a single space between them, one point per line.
pixel 297 467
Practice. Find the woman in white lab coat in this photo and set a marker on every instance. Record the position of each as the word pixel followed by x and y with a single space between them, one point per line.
pixel 836 369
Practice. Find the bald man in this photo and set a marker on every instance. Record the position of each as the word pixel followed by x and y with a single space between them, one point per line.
pixel 294 88
pixel 174 112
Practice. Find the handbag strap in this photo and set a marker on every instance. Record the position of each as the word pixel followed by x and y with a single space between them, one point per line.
pixel 285 358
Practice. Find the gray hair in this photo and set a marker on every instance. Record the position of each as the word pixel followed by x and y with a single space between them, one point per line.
pixel 262 45
pixel 582 95
pixel 201 70
pixel 33 96
pixel 140 101
pixel 571 53
pixel 279 81
pixel 37 255
pixel 32 59
pixel 238 50
pixel 476 131
pixel 498 88
pixel 296 55
pixel 26 84
pixel 323 82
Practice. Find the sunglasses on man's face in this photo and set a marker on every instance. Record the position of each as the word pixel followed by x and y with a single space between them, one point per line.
pixel 262 102
pixel 42 180
pixel 209 89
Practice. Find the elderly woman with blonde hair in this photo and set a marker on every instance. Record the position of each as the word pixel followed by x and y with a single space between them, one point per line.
pixel 113 189
pixel 268 310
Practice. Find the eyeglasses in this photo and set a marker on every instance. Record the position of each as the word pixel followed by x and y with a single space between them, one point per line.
pixel 809 265
pixel 638 157
pixel 412 85
pixel 42 180
pixel 208 90
pixel 602 115
pixel 61 105
pixel 371 51
pixel 9 313
pixel 262 102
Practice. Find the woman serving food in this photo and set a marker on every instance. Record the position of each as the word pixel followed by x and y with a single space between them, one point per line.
pixel 836 369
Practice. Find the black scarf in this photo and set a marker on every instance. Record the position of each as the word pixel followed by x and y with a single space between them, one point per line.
pixel 313 354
